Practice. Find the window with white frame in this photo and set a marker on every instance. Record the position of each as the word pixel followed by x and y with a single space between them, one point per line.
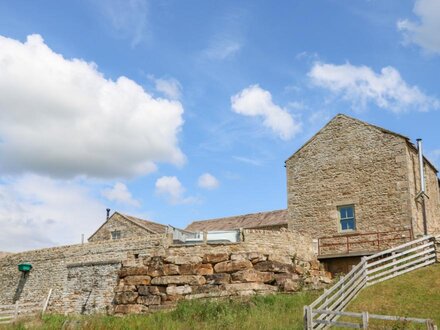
pixel 347 219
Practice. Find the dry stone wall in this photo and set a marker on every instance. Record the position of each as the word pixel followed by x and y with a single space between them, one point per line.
pixel 84 277
pixel 158 282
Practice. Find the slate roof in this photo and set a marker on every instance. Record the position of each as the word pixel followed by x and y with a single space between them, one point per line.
pixel 154 227
pixel 253 220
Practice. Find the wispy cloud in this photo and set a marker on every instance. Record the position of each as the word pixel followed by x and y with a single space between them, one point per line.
pixel 127 18
pixel 222 48
pixel 426 32
pixel 251 161
pixel 254 101
pixel 360 85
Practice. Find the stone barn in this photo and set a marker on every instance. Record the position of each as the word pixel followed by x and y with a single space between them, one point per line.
pixel 120 226
pixel 355 188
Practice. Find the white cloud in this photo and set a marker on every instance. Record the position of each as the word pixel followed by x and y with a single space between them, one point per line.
pixel 208 181
pixel 169 87
pixel 119 193
pixel 62 117
pixel 434 155
pixel 37 212
pixel 128 18
pixel 171 188
pixel 426 32
pixel 257 102
pixel 361 85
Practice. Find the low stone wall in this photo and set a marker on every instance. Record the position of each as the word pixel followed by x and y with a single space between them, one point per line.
pixel 158 282
pixel 83 277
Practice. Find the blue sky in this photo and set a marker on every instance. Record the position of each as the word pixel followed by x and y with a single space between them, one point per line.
pixel 177 111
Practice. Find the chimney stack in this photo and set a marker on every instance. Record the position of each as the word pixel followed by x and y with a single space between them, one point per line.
pixel 108 213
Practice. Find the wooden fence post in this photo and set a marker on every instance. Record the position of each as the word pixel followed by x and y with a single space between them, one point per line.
pixel 16 311
pixel 308 322
pixel 365 320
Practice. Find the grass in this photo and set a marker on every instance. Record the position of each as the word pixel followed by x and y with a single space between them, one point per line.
pixel 260 312
pixel 415 294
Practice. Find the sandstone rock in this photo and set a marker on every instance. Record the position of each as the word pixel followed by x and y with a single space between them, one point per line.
pixel 291 285
pixel 314 264
pixel 124 288
pixel 170 269
pixel 255 257
pixel 148 300
pixel 314 272
pixel 273 266
pixel 232 266
pixel 325 279
pixel 239 256
pixel 299 270
pixel 197 269
pixel 130 309
pixel 178 290
pixel 181 260
pixel 252 275
pixel 137 280
pixel 207 288
pixel 284 259
pixel 220 278
pixel 283 277
pixel 259 287
pixel 145 290
pixel 179 279
pixel 130 271
pixel 126 297
pixel 214 258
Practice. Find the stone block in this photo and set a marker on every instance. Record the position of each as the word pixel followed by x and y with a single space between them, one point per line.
pixel 314 265
pixel 291 286
pixel 130 309
pixel 252 275
pixel 130 271
pixel 214 258
pixel 273 266
pixel 126 297
pixel 283 259
pixel 124 288
pixel 232 266
pixel 148 300
pixel 179 279
pixel 178 290
pixel 171 269
pixel 137 280
pixel 259 287
pixel 181 260
pixel 220 278
pixel 196 269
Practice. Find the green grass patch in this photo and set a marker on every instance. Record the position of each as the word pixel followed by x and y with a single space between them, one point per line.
pixel 415 294
pixel 279 311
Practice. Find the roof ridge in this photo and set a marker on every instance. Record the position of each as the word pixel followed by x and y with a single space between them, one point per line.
pixel 240 215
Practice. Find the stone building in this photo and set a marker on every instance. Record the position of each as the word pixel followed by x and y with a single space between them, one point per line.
pixel 120 226
pixel 273 220
pixel 354 187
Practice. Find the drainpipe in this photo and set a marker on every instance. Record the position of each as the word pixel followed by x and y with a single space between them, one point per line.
pixel 422 186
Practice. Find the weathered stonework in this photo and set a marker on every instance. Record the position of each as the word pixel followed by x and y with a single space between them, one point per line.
pixel 239 275
pixel 151 273
pixel 350 162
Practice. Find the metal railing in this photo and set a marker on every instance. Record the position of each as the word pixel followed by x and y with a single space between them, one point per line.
pixel 361 242
pixel 384 265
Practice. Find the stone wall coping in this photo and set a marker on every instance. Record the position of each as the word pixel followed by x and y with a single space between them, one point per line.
pixel 93 263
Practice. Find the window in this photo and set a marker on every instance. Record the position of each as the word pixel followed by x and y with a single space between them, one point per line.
pixel 346 217
pixel 116 234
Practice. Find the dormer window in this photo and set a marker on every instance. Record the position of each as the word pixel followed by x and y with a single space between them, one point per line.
pixel 116 234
